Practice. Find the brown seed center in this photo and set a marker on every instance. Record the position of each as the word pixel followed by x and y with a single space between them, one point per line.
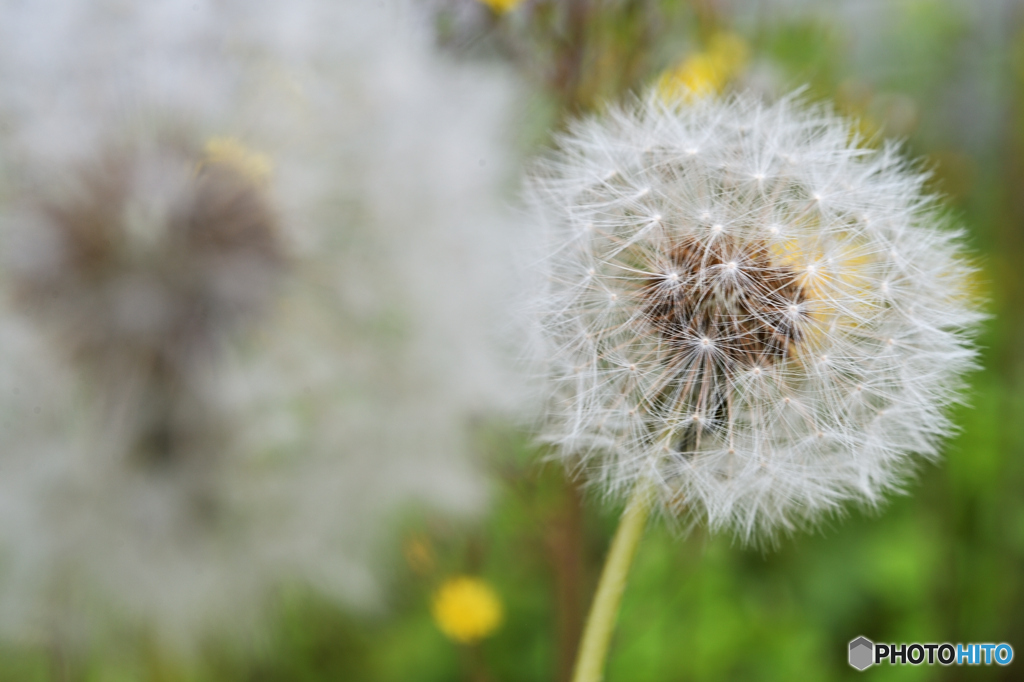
pixel 724 299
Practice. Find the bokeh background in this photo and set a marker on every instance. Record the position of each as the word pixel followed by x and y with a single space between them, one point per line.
pixel 943 563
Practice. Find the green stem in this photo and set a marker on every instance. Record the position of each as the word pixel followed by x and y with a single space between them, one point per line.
pixel 605 609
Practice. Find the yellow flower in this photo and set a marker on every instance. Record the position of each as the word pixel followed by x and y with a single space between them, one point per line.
pixel 827 275
pixel 467 609
pixel 708 72
pixel 229 151
pixel 501 6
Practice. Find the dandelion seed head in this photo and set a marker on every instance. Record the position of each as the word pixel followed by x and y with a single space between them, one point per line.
pixel 751 334
pixel 156 251
pixel 252 275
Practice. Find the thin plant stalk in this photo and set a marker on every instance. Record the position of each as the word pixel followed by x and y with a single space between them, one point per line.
pixel 604 611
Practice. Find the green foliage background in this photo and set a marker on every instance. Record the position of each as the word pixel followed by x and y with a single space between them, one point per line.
pixel 943 563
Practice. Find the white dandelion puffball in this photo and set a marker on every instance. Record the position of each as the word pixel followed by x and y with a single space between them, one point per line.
pixel 251 258
pixel 746 309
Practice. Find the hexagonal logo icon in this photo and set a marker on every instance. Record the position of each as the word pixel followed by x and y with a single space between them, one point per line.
pixel 862 653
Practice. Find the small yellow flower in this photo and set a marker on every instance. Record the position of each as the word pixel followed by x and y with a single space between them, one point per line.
pixel 708 72
pixel 501 6
pixel 230 152
pixel 467 609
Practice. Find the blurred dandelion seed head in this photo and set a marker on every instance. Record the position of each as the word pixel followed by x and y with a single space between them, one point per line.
pixel 146 261
pixel 744 307
pixel 151 252
pixel 467 609
pixel 251 266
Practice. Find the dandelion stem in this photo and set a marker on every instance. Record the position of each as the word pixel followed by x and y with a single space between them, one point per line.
pixel 605 610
